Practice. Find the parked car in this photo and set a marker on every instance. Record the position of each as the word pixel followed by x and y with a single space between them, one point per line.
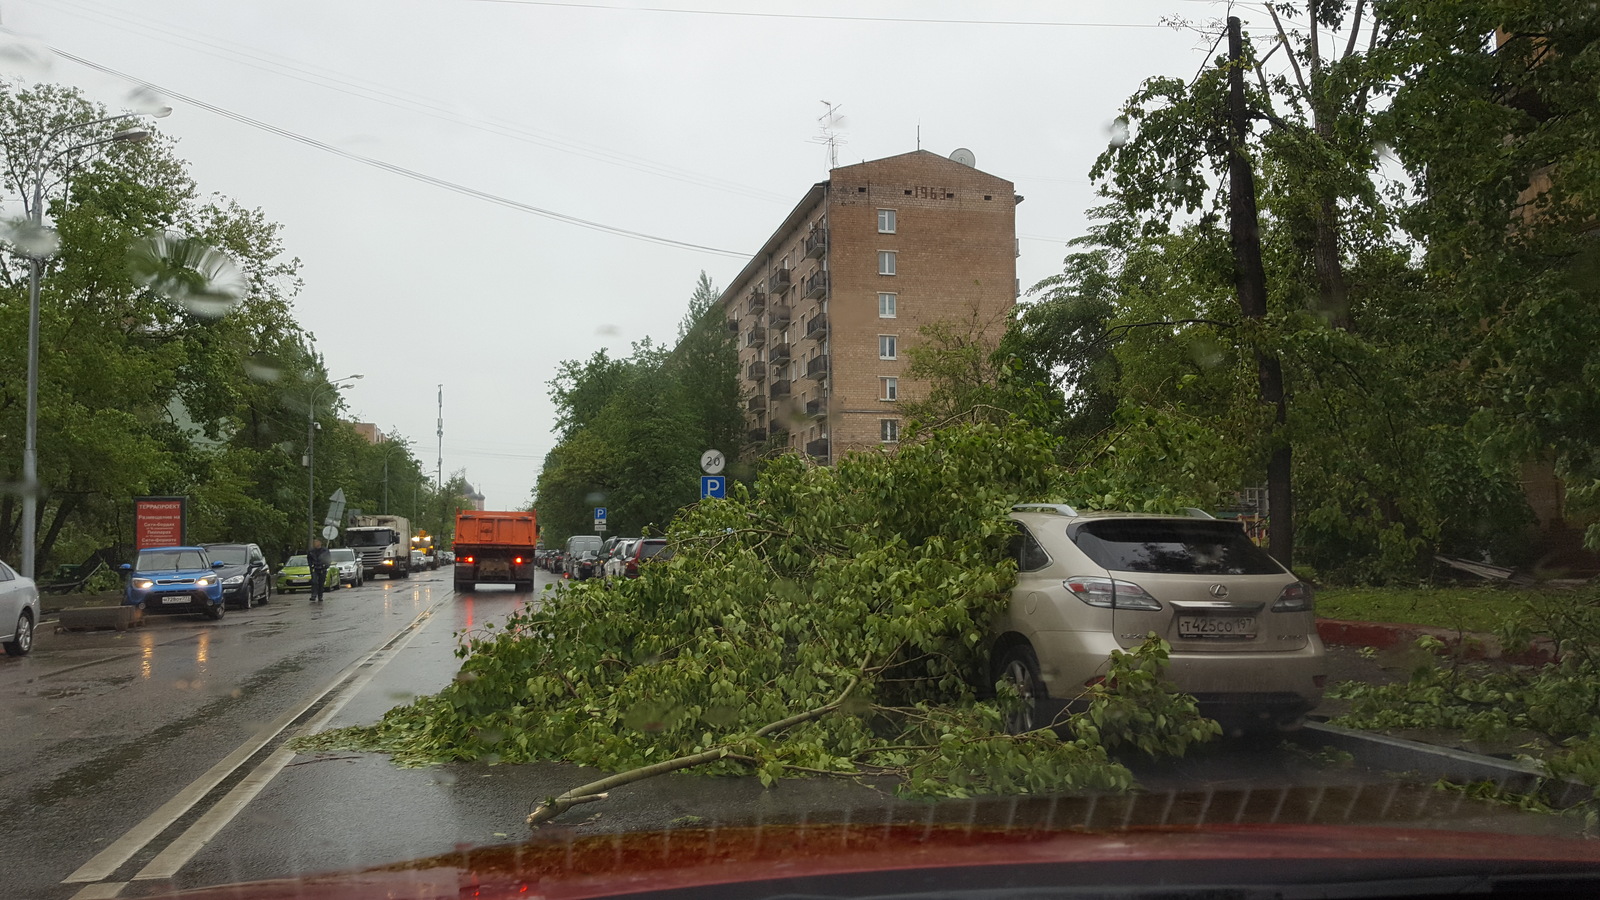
pixel 616 559
pixel 348 563
pixel 1243 636
pixel 296 576
pixel 582 557
pixel 447 557
pixel 419 561
pixel 642 551
pixel 19 611
pixel 246 577
pixel 175 580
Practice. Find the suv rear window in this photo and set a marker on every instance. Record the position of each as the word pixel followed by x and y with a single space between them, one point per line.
pixel 649 549
pixel 1172 547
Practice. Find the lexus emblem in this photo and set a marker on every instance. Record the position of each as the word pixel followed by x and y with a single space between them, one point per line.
pixel 1219 591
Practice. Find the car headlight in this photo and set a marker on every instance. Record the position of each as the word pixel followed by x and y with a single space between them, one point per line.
pixel 205 581
pixel 1110 593
pixel 143 584
pixel 234 579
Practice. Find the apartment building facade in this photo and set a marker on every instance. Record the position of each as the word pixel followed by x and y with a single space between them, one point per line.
pixel 826 312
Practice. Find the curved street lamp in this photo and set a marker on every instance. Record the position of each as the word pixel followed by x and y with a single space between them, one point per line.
pixel 311 440
pixel 30 450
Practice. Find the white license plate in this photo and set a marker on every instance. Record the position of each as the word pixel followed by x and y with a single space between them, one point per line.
pixel 1241 627
pixel 173 600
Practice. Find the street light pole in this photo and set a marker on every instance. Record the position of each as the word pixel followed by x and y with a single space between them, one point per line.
pixel 311 456
pixel 30 439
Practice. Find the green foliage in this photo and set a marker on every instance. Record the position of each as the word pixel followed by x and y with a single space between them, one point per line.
pixel 866 589
pixel 632 429
pixel 1554 708
pixel 170 358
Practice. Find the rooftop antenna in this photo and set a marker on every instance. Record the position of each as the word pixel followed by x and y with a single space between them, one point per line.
pixel 438 473
pixel 919 134
pixel 831 124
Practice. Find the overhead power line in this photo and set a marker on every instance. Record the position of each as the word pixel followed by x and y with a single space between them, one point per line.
pixel 746 14
pixel 402 171
pixel 333 80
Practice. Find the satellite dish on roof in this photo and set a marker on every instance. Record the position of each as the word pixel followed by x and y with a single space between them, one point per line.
pixel 964 157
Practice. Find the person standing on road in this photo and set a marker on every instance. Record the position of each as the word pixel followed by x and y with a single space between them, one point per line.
pixel 319 559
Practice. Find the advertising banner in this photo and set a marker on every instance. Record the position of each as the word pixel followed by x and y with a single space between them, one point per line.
pixel 159 521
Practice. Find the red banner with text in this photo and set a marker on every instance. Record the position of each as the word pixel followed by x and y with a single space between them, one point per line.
pixel 159 521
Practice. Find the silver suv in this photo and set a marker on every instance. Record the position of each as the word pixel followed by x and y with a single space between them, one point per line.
pixel 1243 635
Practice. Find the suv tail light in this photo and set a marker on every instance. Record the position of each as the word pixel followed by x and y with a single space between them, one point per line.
pixel 1295 598
pixel 1109 593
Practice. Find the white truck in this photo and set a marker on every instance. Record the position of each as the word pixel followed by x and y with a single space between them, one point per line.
pixel 383 543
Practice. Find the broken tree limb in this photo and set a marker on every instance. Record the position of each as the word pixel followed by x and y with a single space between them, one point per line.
pixel 596 790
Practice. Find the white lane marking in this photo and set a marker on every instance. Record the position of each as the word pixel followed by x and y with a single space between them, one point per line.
pixel 123 848
pixel 178 853
pixel 100 890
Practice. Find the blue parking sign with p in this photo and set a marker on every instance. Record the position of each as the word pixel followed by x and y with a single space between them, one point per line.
pixel 713 487
pixel 599 513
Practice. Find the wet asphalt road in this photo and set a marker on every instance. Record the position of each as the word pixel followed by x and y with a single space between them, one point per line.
pixel 104 729
pixel 110 740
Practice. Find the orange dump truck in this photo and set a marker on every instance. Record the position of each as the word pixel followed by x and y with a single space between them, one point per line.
pixel 495 548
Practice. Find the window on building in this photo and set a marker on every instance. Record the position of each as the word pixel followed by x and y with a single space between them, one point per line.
pixel 891 389
pixel 886 305
pixel 887 345
pixel 889 431
pixel 885 262
pixel 886 221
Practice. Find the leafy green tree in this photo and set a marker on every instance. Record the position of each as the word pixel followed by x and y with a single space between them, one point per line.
pixel 631 430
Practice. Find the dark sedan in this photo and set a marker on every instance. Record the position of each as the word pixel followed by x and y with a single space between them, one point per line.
pixel 246 577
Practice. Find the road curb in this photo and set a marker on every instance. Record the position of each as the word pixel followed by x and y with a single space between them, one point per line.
pixel 1469 644
pixel 1401 755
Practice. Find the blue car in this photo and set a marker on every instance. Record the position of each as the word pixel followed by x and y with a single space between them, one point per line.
pixel 175 580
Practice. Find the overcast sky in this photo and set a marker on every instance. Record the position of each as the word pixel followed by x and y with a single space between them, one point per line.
pixel 695 127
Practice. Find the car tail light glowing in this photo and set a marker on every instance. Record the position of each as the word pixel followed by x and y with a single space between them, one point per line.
pixel 1295 598
pixel 469 559
pixel 518 560
pixel 1109 593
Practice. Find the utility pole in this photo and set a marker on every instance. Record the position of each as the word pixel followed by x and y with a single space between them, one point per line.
pixel 1250 279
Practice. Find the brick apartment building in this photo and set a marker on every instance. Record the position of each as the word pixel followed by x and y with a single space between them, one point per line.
pixel 826 311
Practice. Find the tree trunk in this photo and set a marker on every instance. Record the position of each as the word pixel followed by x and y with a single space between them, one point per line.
pixel 1250 280
pixel 69 504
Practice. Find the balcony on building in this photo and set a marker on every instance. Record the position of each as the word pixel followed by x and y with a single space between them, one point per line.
pixel 779 317
pixel 817 328
pixel 777 430
pixel 779 389
pixel 779 352
pixel 779 281
pixel 756 403
pixel 817 286
pixel 817 449
pixel 817 409
pixel 757 301
pixel 733 325
pixel 817 367
pixel 757 371
pixel 755 337
pixel 756 435
pixel 817 242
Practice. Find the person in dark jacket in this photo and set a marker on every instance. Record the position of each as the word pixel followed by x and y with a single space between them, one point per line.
pixel 319 559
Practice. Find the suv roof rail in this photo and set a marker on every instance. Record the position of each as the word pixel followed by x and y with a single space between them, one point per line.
pixel 1059 508
pixel 1193 513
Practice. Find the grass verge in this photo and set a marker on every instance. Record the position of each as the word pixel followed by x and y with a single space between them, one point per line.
pixel 1460 608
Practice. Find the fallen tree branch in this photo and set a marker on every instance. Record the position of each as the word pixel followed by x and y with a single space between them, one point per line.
pixel 596 790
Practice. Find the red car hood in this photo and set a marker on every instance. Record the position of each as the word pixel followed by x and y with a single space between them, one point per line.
pixel 785 859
